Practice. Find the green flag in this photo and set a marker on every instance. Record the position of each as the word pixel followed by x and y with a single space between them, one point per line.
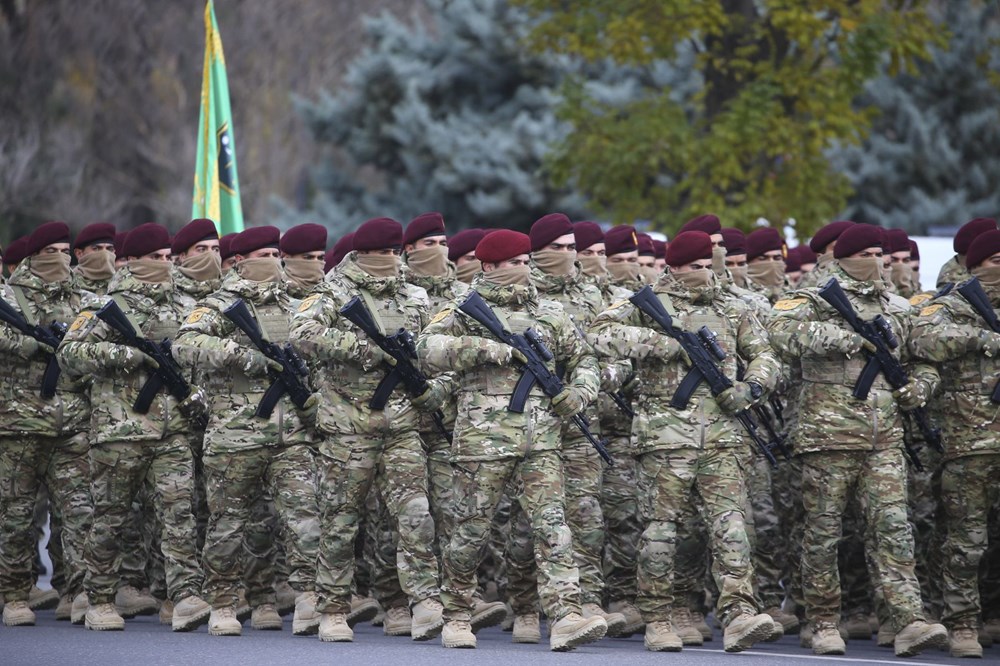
pixel 216 185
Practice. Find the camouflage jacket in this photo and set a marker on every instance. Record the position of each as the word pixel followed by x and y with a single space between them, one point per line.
pixel 623 331
pixel 818 275
pixel 189 290
pixel 949 332
pixel 952 272
pixel 99 287
pixel 807 328
pixel 350 364
pixel 210 342
pixel 453 342
pixel 91 348
pixel 440 289
pixel 22 409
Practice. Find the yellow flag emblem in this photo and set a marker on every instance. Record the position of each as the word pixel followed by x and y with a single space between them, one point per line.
pixel 440 316
pixel 196 315
pixel 790 304
pixel 919 299
pixel 308 302
pixel 930 309
pixel 81 320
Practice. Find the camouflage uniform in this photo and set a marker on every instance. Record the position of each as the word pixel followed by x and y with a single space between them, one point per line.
pixel 42 441
pixel 952 272
pixel 819 275
pixel 250 462
pixel 950 332
pixel 697 448
pixel 361 446
pixel 847 446
pixel 130 449
pixel 493 446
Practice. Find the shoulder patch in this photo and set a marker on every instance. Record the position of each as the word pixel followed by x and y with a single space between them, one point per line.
pixel 919 299
pixel 618 304
pixel 930 309
pixel 196 315
pixel 81 320
pixel 790 304
pixel 443 314
pixel 308 302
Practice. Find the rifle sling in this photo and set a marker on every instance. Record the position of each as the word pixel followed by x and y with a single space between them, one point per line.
pixel 372 310
pixel 27 311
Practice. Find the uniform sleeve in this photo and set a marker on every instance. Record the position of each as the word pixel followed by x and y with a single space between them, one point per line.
pixel 318 332
pixel 203 340
pixel 12 341
pixel 615 335
pixel 792 327
pixel 916 367
pixel 443 345
pixel 753 343
pixel 578 356
pixel 937 336
pixel 88 347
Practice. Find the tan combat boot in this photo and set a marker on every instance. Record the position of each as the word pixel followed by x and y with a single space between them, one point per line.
pixel 265 618
pixel 806 636
pixel 167 611
pixel 487 614
pixel 427 621
pixel 788 621
pixel 104 617
pixel 363 609
pixel 285 597
pixel 857 627
pixel 189 613
pixel 458 634
pixel 65 607
pixel 333 628
pixel 918 636
pixel 991 628
pixel 616 621
pixel 223 622
pixel 306 619
pixel 39 599
pixel 965 643
pixel 826 639
pixel 397 622
pixel 886 637
pixel 17 614
pixel 130 602
pixel 683 626
pixel 698 618
pixel 661 637
pixel 574 630
pixel 745 630
pixel 526 629
pixel 633 618
pixel 78 612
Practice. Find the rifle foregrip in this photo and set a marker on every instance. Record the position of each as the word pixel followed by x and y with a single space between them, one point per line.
pixel 520 395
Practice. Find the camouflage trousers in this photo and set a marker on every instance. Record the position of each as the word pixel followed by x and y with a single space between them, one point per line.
pixel 878 480
pixel 118 471
pixel 620 508
pixel 968 490
pixel 349 465
pixel 28 462
pixel 693 557
pixel 249 493
pixel 381 550
pixel 666 481
pixel 924 493
pixel 478 489
pixel 787 485
pixel 769 547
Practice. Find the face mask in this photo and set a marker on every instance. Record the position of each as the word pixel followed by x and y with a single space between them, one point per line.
pixel 901 275
pixel 305 273
pixel 594 265
pixel 719 261
pixel 379 265
pixel 739 274
pixel 823 260
pixel 202 267
pixel 428 261
pixel 767 273
pixel 260 269
pixel 99 265
pixel 509 275
pixel 863 269
pixel 468 270
pixel 150 270
pixel 624 271
pixel 554 262
pixel 52 267
pixel 696 279
pixel 649 274
pixel 989 276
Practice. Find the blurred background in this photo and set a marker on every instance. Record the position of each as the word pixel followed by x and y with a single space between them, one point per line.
pixel 498 111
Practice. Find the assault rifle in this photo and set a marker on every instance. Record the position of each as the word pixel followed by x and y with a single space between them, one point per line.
pixel 703 349
pixel 293 369
pixel 535 370
pixel 879 333
pixel 973 292
pixel 50 335
pixel 768 416
pixel 167 374
pixel 399 346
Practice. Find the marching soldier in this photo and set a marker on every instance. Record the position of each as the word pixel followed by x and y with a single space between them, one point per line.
pixel 954 270
pixel 94 249
pixel 766 262
pixel 303 251
pixel 823 243
pixel 462 253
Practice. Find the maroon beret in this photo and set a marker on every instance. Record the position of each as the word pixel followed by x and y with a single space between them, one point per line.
pixel 47 234
pixel 734 240
pixel 765 239
pixel 620 240
pixel 16 251
pixel 145 239
pixel 501 245
pixel 645 242
pixel 660 249
pixel 828 234
pixel 338 251
pixel 856 238
pixel 689 246
pixel 793 260
pixel 914 250
pixel 422 226
pixel 98 232
pixel 548 228
pixel 379 233
pixel 587 234
pixel 120 243
pixel 255 238
pixel 986 246
pixel 970 231
pixel 303 238
pixel 898 241
pixel 464 242
pixel 708 223
pixel 806 255
pixel 193 232
pixel 226 246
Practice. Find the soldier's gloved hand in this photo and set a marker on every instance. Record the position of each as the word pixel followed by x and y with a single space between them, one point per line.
pixel 568 402
pixel 309 408
pixel 633 387
pixel 431 399
pixel 122 357
pixel 915 394
pixel 736 398
pixel 255 364
pixel 195 407
pixel 990 343
pixel 31 346
pixel 666 348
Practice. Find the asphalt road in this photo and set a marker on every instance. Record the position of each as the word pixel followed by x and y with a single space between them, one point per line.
pixel 146 643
